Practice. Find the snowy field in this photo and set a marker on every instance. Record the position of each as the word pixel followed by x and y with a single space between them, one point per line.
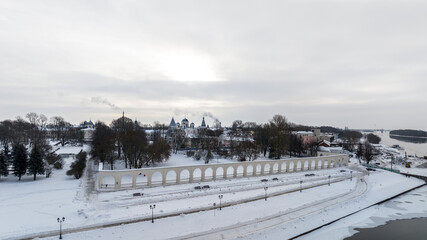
pixel 27 205
pixel 30 208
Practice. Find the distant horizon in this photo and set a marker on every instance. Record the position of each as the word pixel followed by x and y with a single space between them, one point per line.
pixel 209 121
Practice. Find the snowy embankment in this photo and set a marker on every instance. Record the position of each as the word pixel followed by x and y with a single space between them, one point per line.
pixel 385 158
pixel 285 215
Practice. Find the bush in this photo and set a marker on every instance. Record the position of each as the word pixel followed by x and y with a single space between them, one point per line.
pixel 222 153
pixel 77 167
pixel 190 153
pixel 54 160
pixel 197 155
pixel 58 164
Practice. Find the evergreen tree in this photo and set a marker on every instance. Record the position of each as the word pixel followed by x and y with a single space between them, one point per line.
pixel 208 156
pixel 3 165
pixel 35 164
pixel 20 161
pixel 77 167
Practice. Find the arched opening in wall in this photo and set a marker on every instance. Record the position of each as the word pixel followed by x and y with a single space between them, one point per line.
pixel 250 170
pixel 230 172
pixel 156 178
pixel 219 173
pixel 276 168
pixel 108 182
pixel 184 176
pixel 291 166
pixel 283 166
pixel 197 175
pixel 312 164
pixel 171 177
pixel 126 181
pixel 240 171
pixel 305 165
pixel 325 163
pixel 258 169
pixel 319 164
pixel 299 166
pixel 141 179
pixel 208 174
pixel 267 168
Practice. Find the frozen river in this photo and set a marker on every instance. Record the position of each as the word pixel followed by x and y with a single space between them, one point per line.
pixel 419 149
pixel 372 222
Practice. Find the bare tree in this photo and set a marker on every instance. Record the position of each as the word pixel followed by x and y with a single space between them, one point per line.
pixel 368 152
pixel 177 137
pixel 261 137
pixel 157 152
pixel 120 126
pixel 134 146
pixel 33 118
pixel 43 120
pixel 62 129
pixel 351 138
pixel 247 151
pixel 279 130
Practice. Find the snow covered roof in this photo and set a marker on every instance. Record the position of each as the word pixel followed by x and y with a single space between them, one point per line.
pixel 324 149
pixel 327 142
pixel 303 133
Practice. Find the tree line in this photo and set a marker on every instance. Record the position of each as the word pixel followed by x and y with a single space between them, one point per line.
pixel 409 133
pixel 25 148
pixel 246 141
pixel 127 140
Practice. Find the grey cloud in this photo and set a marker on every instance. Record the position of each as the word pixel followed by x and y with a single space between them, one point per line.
pixel 338 62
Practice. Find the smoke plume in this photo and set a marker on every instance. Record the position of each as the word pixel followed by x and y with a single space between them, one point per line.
pixel 99 100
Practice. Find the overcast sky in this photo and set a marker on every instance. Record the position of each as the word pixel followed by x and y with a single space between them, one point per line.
pixel 361 64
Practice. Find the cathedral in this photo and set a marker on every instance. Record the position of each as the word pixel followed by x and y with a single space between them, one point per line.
pixel 185 124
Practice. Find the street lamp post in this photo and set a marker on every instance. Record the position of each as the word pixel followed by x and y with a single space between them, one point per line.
pixel 152 207
pixel 60 220
pixel 220 197
pixel 300 186
pixel 265 189
pixel 329 184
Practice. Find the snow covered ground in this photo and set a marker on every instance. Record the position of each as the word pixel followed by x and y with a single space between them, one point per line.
pixel 27 205
pixel 295 212
pixel 30 208
pixel 385 161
